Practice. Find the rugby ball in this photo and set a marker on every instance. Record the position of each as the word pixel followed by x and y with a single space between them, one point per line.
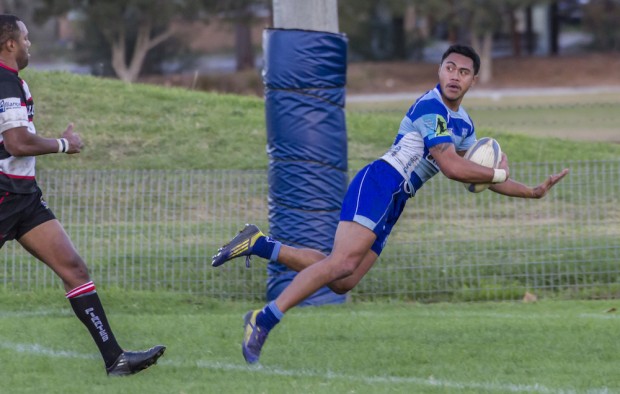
pixel 486 152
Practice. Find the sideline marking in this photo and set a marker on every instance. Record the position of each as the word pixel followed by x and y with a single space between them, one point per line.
pixel 36 349
pixel 419 312
pixel 12 314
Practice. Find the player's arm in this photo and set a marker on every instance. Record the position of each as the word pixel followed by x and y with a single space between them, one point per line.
pixel 457 168
pixel 19 141
pixel 513 188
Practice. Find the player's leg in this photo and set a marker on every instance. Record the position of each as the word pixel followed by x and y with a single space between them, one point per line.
pixel 50 243
pixel 251 241
pixel 351 247
pixel 382 232
pixel 346 284
pixel 352 244
pixel 294 258
pixel 298 259
pixel 373 202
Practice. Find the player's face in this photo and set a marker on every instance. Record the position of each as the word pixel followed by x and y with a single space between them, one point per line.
pixel 23 45
pixel 456 76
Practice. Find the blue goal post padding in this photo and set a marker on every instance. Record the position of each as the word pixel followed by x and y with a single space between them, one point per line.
pixel 305 77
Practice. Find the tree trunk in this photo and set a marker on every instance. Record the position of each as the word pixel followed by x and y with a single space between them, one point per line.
pixel 515 33
pixel 130 72
pixel 554 27
pixel 484 46
pixel 143 44
pixel 529 31
pixel 244 51
pixel 119 63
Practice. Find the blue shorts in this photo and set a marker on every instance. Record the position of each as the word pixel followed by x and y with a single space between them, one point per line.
pixel 375 199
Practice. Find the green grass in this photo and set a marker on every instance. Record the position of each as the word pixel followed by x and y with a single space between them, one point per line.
pixel 152 127
pixel 389 347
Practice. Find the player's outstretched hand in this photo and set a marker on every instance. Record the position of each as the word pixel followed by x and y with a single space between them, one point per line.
pixel 541 190
pixel 75 142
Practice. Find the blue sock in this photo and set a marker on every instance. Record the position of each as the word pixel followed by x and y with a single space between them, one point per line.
pixel 269 316
pixel 267 248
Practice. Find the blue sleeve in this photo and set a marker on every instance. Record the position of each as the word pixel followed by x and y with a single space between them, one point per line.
pixel 429 119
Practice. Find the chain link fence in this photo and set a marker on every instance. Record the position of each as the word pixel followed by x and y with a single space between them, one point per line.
pixel 157 230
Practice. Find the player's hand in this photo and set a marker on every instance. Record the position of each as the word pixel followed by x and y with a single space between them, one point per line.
pixel 541 190
pixel 75 142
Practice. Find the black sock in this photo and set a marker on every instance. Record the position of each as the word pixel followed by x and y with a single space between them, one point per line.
pixel 89 310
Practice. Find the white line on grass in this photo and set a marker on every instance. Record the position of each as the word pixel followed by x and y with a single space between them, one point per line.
pixel 39 350
pixel 424 313
pixel 330 375
pixel 13 314
pixel 33 348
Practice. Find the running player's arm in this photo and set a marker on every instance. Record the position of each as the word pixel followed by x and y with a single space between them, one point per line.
pixel 455 167
pixel 19 141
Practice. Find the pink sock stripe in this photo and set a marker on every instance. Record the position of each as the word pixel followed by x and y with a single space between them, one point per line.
pixel 83 289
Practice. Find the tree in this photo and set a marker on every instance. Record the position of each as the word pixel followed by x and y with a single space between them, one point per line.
pixel 144 23
pixel 601 19
pixel 477 21
pixel 375 27
pixel 242 14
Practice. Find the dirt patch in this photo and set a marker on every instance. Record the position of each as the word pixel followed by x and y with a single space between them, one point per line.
pixel 383 77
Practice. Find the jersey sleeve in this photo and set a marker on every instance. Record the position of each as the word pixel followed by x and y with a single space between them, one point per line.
pixel 429 118
pixel 13 111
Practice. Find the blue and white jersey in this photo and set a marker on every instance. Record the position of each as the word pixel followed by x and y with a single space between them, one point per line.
pixel 427 123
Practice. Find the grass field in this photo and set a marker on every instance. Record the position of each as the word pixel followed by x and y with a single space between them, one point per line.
pixel 546 347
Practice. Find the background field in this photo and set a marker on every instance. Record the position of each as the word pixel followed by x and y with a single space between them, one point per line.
pixel 151 127
pixel 380 347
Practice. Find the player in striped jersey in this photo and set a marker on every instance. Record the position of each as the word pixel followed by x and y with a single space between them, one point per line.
pixel 433 136
pixel 25 216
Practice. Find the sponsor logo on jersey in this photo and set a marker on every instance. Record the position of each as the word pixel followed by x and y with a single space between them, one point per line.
pixel 394 150
pixel 9 104
pixel 413 161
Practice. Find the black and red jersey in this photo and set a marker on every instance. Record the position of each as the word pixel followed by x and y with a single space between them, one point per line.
pixel 17 174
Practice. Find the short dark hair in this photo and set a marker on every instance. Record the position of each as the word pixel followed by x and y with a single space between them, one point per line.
pixel 464 50
pixel 9 29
